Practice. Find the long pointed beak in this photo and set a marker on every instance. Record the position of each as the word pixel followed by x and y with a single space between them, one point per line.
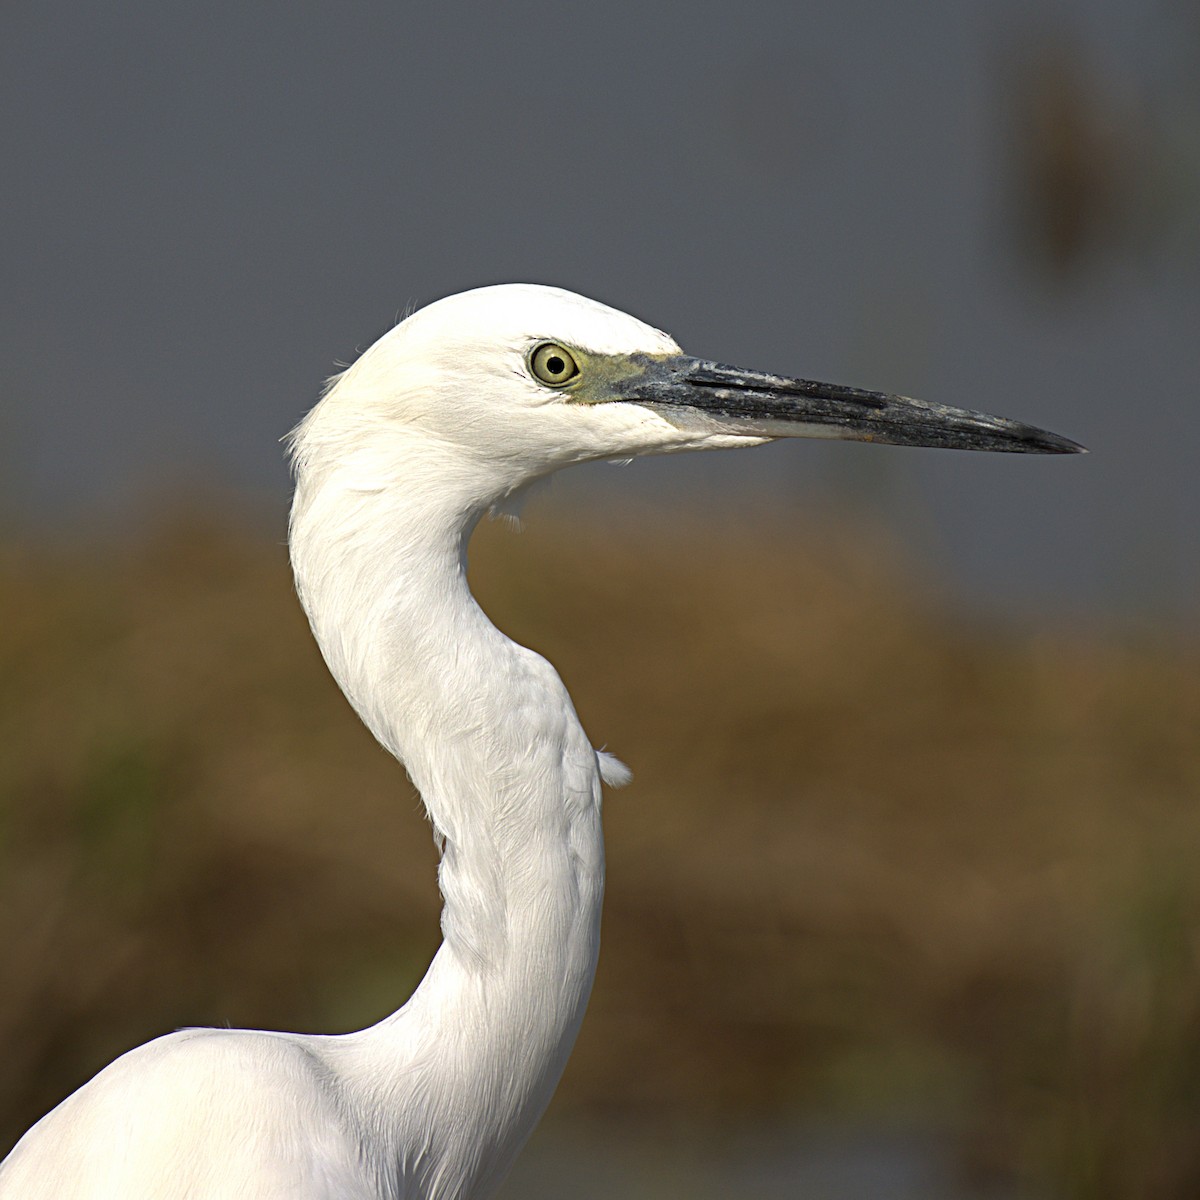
pixel 695 391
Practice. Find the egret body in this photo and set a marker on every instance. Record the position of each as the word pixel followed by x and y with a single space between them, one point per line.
pixel 450 414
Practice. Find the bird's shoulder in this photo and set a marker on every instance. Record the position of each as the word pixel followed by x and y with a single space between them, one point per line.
pixel 207 1113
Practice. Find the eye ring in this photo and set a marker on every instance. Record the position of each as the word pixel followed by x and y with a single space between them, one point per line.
pixel 552 364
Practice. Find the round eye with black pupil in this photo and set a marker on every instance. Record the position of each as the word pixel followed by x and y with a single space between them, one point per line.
pixel 553 364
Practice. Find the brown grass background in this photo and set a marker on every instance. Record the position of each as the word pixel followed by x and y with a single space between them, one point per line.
pixel 880 861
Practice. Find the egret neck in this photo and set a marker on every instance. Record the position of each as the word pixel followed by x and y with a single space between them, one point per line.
pixel 511 783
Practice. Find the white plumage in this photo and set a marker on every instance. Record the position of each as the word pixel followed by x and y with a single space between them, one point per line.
pixel 449 415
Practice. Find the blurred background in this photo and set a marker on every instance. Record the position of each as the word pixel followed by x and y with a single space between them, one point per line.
pixel 903 900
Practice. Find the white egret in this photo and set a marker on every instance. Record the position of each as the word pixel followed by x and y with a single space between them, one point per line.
pixel 448 415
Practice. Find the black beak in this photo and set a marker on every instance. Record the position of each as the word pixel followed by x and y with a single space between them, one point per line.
pixel 694 390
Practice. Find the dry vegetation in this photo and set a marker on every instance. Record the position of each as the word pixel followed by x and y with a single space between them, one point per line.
pixel 876 862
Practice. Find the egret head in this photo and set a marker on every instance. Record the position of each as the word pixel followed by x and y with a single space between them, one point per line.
pixel 514 381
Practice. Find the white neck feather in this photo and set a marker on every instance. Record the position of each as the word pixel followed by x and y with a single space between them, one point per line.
pixel 456 1080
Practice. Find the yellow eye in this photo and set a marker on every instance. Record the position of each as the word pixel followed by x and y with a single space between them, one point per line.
pixel 553 364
